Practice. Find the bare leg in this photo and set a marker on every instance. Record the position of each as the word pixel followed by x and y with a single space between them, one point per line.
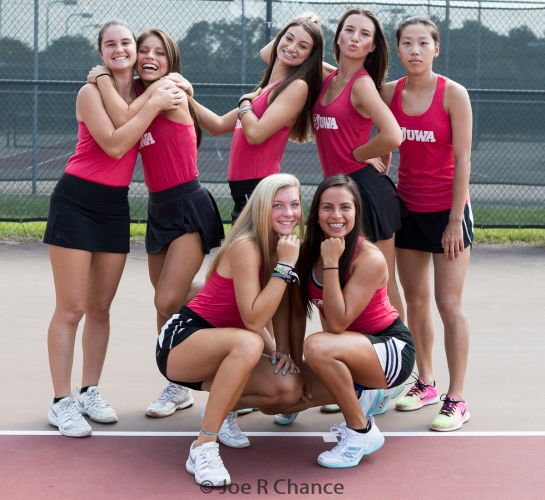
pixel 414 273
pixel 341 359
pixel 171 273
pixel 449 283
pixel 104 276
pixel 70 272
pixel 387 247
pixel 224 358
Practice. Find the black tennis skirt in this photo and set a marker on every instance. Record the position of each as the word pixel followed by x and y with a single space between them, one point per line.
pixel 186 208
pixel 382 206
pixel 88 216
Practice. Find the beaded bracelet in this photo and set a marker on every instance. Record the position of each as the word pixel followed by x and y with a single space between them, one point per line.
pixel 243 111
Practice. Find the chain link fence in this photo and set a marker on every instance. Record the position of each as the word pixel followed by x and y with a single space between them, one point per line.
pixel 496 49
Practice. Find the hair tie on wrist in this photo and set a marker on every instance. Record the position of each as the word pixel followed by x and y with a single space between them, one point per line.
pixel 102 74
pixel 242 99
pixel 328 268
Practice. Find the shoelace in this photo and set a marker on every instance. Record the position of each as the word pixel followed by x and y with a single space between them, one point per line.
pixel 209 459
pixel 232 423
pixel 449 405
pixel 67 411
pixel 418 386
pixel 342 435
pixel 95 400
pixel 168 392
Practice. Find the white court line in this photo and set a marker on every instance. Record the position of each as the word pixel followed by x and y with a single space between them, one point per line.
pixel 325 435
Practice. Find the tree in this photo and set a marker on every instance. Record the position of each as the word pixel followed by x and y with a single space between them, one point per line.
pixel 16 59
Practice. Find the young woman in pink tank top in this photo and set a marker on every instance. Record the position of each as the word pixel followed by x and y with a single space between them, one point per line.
pixel 435 115
pixel 263 124
pixel 88 233
pixel 364 345
pixel 183 220
pixel 216 343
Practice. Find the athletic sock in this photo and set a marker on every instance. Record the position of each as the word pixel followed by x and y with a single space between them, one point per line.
pixel 84 389
pixel 56 400
pixel 363 431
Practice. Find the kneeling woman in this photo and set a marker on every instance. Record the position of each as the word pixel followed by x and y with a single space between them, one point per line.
pixel 214 343
pixel 364 344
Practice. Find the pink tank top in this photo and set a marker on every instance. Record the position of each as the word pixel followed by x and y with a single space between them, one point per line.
pixel 426 159
pixel 91 163
pixel 339 129
pixel 169 153
pixel 217 304
pixel 257 161
pixel 377 315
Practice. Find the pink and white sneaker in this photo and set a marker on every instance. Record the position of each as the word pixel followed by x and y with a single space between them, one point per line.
pixel 419 395
pixel 452 416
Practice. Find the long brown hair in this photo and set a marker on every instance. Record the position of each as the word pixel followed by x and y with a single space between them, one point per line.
pixel 376 62
pixel 310 72
pixel 174 66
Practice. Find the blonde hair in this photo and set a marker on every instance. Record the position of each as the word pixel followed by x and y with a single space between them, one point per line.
pixel 255 221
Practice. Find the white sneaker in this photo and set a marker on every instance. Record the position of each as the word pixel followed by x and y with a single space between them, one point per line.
pixel 389 395
pixel 205 463
pixel 331 408
pixel 173 397
pixel 65 416
pixel 245 411
pixel 230 433
pixel 285 418
pixel 90 403
pixel 352 446
pixel 370 400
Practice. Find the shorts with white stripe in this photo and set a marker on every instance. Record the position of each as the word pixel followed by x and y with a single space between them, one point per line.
pixel 395 350
pixel 177 329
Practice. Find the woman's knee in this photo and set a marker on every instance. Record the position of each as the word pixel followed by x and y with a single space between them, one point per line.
pixel 98 310
pixel 69 314
pixel 167 304
pixel 449 307
pixel 289 389
pixel 417 299
pixel 316 348
pixel 248 347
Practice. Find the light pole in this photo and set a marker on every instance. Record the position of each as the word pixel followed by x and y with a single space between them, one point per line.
pixel 91 26
pixel 83 15
pixel 391 10
pixel 48 5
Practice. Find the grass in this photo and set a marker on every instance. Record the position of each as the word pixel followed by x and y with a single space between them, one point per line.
pixel 33 231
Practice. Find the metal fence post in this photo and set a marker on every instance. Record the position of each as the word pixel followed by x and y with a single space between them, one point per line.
pixel 35 96
pixel 269 20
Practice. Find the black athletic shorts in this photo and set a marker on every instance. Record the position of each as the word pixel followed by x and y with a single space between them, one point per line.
pixel 177 329
pixel 88 216
pixel 395 350
pixel 423 230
